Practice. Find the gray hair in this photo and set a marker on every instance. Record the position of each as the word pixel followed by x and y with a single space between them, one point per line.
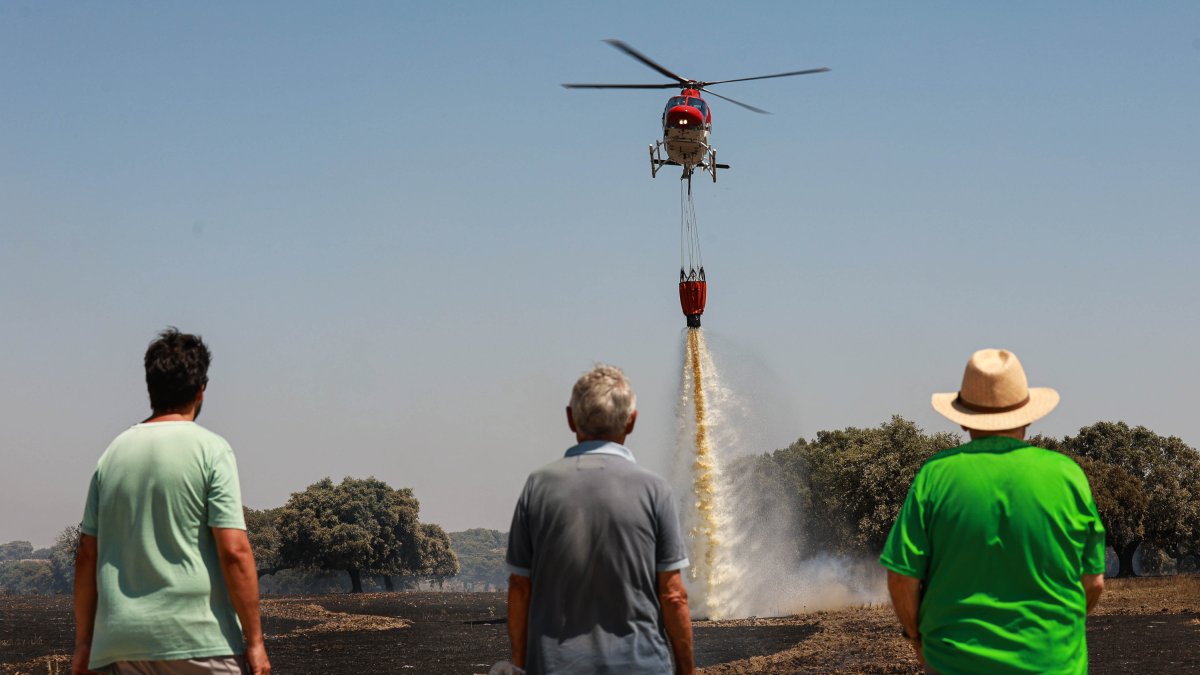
pixel 602 402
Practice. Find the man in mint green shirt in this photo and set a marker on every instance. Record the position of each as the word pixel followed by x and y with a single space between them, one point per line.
pixel 164 570
pixel 997 555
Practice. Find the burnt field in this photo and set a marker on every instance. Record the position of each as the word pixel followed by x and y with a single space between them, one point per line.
pixel 1143 625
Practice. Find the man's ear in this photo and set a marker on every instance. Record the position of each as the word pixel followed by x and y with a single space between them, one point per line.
pixel 571 420
pixel 632 421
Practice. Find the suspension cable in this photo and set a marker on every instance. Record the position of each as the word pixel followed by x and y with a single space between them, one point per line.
pixel 696 232
pixel 683 230
pixel 691 260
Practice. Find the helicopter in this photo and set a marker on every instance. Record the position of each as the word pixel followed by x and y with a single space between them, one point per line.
pixel 686 119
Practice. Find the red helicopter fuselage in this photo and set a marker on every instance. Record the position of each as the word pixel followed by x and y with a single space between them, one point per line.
pixel 686 122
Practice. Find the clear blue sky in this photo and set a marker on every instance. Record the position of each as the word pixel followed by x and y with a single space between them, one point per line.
pixel 403 240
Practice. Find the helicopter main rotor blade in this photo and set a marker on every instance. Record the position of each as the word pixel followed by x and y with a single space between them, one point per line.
pixel 669 85
pixel 767 77
pixel 644 59
pixel 747 106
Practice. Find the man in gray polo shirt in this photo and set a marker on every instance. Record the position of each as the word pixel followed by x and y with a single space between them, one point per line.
pixel 595 551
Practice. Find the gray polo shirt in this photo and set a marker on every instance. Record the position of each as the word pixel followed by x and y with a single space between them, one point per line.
pixel 592 530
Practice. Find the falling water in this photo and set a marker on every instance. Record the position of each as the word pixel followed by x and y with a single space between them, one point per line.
pixel 742 531
pixel 706 531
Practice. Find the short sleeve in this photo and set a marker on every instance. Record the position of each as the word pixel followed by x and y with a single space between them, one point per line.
pixel 670 551
pixel 907 548
pixel 519 557
pixel 91 509
pixel 224 496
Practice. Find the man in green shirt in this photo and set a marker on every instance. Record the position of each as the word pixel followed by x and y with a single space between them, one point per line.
pixel 164 570
pixel 997 555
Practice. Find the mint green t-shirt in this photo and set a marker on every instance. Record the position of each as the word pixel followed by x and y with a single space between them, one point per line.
pixel 1001 533
pixel 157 490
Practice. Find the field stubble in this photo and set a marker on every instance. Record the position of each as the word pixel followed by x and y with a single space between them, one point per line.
pixel 1145 625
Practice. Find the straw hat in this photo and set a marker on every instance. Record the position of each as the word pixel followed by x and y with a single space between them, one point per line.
pixel 995 394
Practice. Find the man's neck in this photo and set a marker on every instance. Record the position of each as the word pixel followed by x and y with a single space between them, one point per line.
pixel 1018 433
pixel 189 416
pixel 619 440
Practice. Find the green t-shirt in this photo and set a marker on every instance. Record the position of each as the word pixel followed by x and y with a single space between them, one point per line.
pixel 1001 533
pixel 161 595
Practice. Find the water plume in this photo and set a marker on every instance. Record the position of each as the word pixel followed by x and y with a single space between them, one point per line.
pixel 706 528
pixel 740 524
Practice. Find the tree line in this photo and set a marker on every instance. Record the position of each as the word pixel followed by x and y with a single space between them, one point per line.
pixel 25 571
pixel 846 487
pixel 362 529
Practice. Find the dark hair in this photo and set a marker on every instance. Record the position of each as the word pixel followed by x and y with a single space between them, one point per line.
pixel 176 370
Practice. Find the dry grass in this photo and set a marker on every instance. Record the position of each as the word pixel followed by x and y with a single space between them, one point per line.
pixel 55 664
pixel 325 621
pixel 16 643
pixel 1151 595
pixel 1142 625
pixel 866 638
pixel 319 620
pixel 845 639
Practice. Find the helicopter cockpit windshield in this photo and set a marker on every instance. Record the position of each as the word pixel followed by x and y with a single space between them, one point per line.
pixel 698 104
pixel 676 101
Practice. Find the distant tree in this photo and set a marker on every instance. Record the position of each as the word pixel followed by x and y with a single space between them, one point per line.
pixel 1156 562
pixel 16 550
pixel 62 559
pixel 438 562
pixel 850 484
pixel 264 539
pixel 1189 563
pixel 1146 487
pixel 26 577
pixel 42 553
pixel 1122 502
pixel 362 526
pixel 480 555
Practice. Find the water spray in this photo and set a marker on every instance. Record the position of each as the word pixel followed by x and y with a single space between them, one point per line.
pixel 741 528
pixel 704 470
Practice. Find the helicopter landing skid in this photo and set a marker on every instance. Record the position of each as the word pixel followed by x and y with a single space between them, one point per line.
pixel 656 160
pixel 707 165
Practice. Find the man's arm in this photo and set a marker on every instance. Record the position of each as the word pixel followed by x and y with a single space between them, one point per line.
pixel 519 590
pixel 1093 586
pixel 241 578
pixel 673 597
pixel 85 603
pixel 906 600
